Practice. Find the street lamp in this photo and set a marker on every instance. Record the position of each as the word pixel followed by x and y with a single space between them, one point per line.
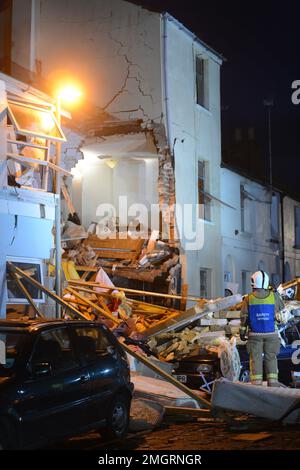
pixel 69 95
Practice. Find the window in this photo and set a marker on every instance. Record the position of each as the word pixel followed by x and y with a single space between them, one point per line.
pixel 297 227
pixel 204 200
pixel 242 196
pixel 35 120
pixel 205 283
pixel 245 281
pixel 92 343
pixel 55 347
pixel 275 218
pixel 201 82
pixel 227 276
pixel 34 269
pixel 11 347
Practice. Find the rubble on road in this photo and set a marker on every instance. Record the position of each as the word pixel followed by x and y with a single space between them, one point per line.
pixel 145 415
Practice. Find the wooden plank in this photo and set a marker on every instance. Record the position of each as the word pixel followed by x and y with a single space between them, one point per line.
pixel 115 254
pixel 36 161
pixel 129 244
pixel 184 293
pixel 161 310
pixel 28 296
pixel 67 197
pixel 59 300
pixel 91 269
pixel 59 169
pixel 27 160
pixel 139 292
pixel 136 274
pixel 93 305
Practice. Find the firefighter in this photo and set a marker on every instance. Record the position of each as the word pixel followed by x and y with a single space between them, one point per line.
pixel 259 329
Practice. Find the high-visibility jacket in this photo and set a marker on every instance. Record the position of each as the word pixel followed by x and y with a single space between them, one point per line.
pixel 262 314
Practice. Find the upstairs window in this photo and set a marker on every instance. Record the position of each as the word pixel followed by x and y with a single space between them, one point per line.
pixel 242 196
pixel 205 283
pixel 201 82
pixel 275 218
pixel 297 227
pixel 204 199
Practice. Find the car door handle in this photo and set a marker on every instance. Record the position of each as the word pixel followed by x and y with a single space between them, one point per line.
pixel 84 378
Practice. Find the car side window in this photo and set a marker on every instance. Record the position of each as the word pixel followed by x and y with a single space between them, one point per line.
pixel 55 347
pixel 92 343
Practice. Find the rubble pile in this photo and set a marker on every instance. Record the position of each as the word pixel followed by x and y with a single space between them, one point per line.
pixel 83 255
pixel 135 256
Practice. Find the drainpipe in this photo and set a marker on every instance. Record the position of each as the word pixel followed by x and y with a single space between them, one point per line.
pixel 282 236
pixel 58 218
pixel 165 100
pixel 166 112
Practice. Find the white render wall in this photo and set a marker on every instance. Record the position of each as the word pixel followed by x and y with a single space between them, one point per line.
pixel 137 179
pixel 292 255
pixel 250 250
pixel 110 47
pixel 116 50
pixel 197 133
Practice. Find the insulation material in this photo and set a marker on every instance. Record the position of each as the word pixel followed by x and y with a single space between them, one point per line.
pixel 161 392
pixel 265 402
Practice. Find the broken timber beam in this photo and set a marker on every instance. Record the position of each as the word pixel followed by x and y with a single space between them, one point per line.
pixel 12 268
pixel 134 291
pixel 27 295
pixel 93 305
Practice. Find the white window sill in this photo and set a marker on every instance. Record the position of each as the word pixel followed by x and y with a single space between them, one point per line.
pixel 207 222
pixel 202 108
pixel 245 234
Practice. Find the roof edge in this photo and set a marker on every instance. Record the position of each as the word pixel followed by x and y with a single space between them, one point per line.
pixel 219 58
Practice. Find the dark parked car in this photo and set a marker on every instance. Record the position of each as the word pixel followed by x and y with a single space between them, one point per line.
pixel 61 378
pixel 201 368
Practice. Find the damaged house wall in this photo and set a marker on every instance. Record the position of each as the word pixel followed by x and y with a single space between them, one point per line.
pixel 137 64
pixel 26 215
pixel 113 50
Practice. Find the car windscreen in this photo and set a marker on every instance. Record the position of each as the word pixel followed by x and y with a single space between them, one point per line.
pixel 11 345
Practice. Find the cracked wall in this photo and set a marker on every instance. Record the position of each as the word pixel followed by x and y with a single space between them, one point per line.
pixel 112 47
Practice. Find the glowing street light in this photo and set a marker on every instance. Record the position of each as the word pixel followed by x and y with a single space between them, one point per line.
pixel 69 94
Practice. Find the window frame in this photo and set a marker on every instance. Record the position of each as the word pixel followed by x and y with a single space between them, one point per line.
pixel 35 107
pixel 203 198
pixel 82 357
pixel 208 273
pixel 74 349
pixel 297 227
pixel 204 102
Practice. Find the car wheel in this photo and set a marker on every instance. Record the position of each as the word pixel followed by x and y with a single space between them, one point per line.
pixel 245 376
pixel 118 418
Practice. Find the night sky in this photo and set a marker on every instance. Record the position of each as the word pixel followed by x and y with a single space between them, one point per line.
pixel 261 43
